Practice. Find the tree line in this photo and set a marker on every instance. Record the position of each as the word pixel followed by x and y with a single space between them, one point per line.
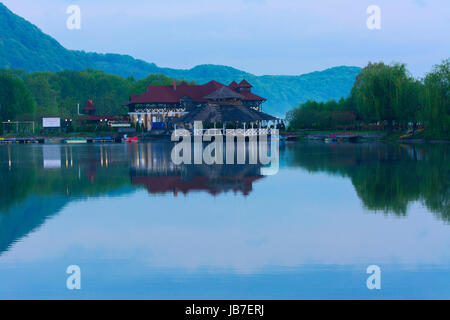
pixel 385 97
pixel 29 96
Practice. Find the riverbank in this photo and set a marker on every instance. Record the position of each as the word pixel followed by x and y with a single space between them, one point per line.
pixel 423 137
pixel 353 136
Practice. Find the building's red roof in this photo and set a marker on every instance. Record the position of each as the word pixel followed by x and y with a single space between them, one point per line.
pixel 245 84
pixel 248 96
pixel 89 106
pixel 224 93
pixel 167 94
pixel 233 85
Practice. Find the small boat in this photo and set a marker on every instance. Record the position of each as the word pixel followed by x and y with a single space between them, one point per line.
pixel 102 139
pixel 131 139
pixel 75 140
pixel 331 138
pixel 411 133
pixel 31 140
pixel 9 140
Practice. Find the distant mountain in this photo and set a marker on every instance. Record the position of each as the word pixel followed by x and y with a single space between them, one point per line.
pixel 24 46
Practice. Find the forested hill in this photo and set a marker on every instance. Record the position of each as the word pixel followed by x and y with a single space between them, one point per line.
pixel 24 46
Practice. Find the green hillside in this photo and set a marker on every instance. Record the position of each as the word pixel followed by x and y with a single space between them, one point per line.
pixel 24 46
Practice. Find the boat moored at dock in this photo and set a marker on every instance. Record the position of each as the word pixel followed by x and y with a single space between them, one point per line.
pixel 75 141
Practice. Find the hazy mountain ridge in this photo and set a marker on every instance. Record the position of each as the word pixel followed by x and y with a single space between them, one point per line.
pixel 25 46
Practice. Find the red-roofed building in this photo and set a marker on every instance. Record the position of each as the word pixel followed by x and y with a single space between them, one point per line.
pixel 89 108
pixel 233 85
pixel 244 84
pixel 89 116
pixel 160 103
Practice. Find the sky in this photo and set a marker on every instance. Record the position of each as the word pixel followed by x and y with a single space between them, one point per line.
pixel 288 37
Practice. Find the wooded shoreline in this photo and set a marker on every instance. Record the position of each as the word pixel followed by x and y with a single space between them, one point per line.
pixel 386 98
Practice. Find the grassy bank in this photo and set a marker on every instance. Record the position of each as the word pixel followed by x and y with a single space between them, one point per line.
pixel 395 136
pixel 426 135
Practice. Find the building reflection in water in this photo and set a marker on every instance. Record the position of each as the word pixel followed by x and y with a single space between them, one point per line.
pixel 385 177
pixel 152 167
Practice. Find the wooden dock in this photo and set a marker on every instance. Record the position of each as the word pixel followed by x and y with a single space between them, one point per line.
pixel 338 136
pixel 21 140
pixel 56 140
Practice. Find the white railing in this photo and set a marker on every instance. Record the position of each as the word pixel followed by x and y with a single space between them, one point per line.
pixel 228 132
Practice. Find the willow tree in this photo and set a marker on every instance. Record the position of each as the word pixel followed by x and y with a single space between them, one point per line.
pixel 436 98
pixel 408 105
pixel 376 92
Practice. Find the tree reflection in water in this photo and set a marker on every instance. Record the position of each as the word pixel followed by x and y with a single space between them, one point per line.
pixel 386 177
pixel 37 181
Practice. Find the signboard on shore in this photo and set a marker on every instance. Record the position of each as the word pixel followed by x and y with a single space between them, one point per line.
pixel 51 122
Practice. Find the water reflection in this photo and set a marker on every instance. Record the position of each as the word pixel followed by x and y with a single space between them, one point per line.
pixel 38 181
pixel 151 167
pixel 386 177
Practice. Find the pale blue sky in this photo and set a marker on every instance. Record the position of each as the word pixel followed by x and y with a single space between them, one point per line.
pixel 259 36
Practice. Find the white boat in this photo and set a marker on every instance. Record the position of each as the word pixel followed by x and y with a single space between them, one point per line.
pixel 75 140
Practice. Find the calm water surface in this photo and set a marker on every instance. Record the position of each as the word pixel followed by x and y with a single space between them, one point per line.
pixel 140 227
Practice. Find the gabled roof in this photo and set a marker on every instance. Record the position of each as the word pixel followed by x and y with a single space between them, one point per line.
pixel 198 93
pixel 249 96
pixel 167 94
pixel 233 85
pixel 89 106
pixel 223 93
pixel 244 84
pixel 224 113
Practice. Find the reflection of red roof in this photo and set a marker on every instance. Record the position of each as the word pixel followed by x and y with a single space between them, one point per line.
pixel 175 184
pixel 89 106
pixel 245 84
pixel 90 173
pixel 168 94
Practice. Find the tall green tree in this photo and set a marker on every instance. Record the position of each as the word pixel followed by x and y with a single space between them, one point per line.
pixel 45 96
pixel 15 97
pixel 435 98
pixel 376 92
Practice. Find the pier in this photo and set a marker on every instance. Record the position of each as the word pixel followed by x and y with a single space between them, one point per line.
pixel 58 140
pixel 21 140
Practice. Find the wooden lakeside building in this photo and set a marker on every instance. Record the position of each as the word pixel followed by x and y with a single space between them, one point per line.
pixel 89 116
pixel 162 106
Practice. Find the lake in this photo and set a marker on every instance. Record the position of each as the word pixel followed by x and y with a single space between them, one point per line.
pixel 140 227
